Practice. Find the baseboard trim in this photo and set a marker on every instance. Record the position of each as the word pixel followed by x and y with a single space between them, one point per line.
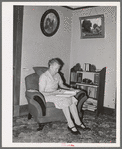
pixel 23 110
pixel 16 109
pixel 109 111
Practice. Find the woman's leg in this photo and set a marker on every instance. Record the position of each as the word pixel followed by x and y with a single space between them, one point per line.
pixel 74 112
pixel 68 117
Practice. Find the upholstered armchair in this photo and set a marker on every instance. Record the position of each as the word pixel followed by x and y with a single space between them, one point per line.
pixel 38 108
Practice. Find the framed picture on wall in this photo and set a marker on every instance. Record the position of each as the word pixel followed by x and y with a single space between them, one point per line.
pixel 92 26
pixel 50 22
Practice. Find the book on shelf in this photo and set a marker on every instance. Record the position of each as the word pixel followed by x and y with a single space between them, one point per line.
pixel 90 104
pixel 89 108
pixel 91 101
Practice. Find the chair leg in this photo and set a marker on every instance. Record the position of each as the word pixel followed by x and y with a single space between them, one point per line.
pixel 29 116
pixel 40 127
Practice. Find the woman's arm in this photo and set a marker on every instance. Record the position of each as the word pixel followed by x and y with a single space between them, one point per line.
pixel 62 86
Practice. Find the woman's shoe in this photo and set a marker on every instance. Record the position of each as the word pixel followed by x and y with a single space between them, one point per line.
pixel 82 126
pixel 73 132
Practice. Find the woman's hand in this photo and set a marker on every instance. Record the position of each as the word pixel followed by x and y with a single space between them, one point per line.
pixel 59 91
pixel 73 89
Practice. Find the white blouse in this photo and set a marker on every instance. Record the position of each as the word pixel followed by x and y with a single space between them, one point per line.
pixel 47 83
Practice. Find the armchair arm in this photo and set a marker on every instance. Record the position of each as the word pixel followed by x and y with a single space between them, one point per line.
pixel 35 93
pixel 36 101
pixel 80 94
pixel 81 97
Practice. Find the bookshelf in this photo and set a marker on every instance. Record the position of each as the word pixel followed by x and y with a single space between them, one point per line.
pixel 94 84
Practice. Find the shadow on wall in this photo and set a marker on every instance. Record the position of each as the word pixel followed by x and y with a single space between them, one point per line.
pixel 62 74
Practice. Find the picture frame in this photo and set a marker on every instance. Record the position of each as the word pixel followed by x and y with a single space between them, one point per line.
pixel 50 22
pixel 92 26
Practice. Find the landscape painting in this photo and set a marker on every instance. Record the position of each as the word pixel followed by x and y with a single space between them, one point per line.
pixel 92 26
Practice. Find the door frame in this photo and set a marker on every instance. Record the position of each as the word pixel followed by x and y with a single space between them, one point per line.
pixel 17 53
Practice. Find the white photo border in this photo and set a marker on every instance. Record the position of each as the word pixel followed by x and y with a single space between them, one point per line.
pixel 7 73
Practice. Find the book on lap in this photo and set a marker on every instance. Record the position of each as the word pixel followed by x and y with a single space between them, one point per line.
pixel 64 95
pixel 67 93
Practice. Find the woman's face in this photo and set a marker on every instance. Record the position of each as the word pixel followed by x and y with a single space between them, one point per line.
pixel 54 68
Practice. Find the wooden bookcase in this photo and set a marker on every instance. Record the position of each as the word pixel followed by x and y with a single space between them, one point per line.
pixel 94 89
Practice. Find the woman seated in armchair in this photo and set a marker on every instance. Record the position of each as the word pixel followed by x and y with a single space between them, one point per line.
pixel 49 83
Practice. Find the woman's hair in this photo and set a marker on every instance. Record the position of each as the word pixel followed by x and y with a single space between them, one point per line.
pixel 55 60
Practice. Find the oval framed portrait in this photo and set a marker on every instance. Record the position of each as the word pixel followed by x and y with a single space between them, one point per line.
pixel 50 22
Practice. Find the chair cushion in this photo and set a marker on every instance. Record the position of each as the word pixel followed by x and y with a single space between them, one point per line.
pixel 50 104
pixel 40 70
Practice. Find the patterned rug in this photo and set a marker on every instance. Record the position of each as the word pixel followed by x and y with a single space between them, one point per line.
pixel 103 130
